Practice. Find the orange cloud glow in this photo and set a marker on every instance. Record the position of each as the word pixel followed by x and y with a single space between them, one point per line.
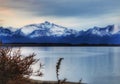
pixel 9 17
pixel 1 22
pixel 6 12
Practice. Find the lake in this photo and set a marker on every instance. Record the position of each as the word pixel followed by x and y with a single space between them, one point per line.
pixel 94 65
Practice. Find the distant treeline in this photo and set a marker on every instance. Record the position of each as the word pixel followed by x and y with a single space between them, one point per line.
pixel 56 44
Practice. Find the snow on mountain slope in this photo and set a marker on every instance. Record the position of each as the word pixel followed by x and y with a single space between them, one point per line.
pixel 28 29
pixel 12 29
pixel 51 29
pixel 51 32
pixel 54 29
pixel 57 30
pixel 5 31
pixel 116 29
pixel 108 30
pixel 45 29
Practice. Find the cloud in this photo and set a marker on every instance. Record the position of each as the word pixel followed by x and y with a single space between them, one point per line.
pixel 65 8
pixel 76 8
pixel 1 22
pixel 65 12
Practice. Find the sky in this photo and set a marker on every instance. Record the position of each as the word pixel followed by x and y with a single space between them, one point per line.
pixel 78 14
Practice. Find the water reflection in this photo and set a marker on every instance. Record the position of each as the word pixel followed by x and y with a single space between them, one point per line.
pixel 95 65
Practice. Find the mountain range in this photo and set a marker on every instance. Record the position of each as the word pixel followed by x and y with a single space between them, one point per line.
pixel 48 32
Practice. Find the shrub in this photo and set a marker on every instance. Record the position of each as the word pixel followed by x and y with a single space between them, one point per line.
pixel 14 66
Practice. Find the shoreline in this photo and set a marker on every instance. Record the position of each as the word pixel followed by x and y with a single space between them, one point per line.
pixel 54 82
pixel 58 45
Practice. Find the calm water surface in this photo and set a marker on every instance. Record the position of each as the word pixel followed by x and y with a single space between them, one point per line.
pixel 95 65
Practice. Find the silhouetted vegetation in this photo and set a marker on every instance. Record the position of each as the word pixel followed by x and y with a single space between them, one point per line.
pixel 64 81
pixel 58 67
pixel 16 68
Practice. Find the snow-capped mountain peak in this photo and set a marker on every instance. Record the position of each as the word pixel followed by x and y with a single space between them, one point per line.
pixel 45 29
pixel 108 30
pixel 116 29
pixel 51 29
pixel 51 33
pixel 46 24
pixel 28 29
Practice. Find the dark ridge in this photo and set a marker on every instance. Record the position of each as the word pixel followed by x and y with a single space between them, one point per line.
pixel 57 44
